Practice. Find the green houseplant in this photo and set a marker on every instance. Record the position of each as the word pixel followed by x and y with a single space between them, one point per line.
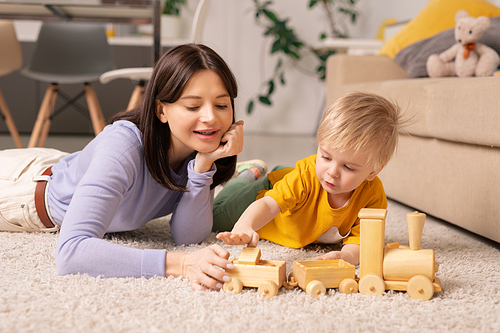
pixel 287 45
pixel 173 7
pixel 170 20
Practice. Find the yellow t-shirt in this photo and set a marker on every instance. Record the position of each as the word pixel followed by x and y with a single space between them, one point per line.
pixel 305 211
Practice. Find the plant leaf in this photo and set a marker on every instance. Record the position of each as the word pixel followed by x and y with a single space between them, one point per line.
pixel 276 46
pixel 250 107
pixel 278 65
pixel 271 87
pixel 265 100
pixel 270 15
pixel 293 54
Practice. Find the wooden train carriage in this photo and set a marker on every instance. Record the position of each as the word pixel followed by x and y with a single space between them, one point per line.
pixel 314 276
pixel 249 271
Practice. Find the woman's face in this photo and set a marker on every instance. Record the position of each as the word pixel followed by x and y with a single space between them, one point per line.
pixel 199 118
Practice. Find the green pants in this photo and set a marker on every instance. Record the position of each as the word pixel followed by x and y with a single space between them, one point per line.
pixel 236 196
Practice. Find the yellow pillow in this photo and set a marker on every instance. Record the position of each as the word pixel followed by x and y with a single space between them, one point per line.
pixel 437 16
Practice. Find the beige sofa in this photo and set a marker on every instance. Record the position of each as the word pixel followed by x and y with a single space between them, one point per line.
pixel 449 166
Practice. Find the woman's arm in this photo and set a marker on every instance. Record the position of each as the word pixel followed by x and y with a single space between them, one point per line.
pixel 81 250
pixel 192 219
pixel 93 205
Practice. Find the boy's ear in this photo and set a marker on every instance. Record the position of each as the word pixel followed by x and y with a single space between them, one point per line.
pixel 160 112
pixel 374 174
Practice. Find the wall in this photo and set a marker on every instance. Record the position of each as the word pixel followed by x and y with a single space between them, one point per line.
pixel 297 107
pixel 232 32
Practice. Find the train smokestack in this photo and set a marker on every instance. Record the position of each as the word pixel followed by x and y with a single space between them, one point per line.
pixel 416 222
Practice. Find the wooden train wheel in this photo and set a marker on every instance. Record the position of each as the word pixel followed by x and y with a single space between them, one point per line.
pixel 315 288
pixel 235 285
pixel 268 289
pixel 348 286
pixel 420 287
pixel 371 284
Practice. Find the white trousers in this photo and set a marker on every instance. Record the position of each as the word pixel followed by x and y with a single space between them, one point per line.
pixel 19 169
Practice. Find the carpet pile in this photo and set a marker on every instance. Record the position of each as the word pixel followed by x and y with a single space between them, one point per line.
pixel 34 298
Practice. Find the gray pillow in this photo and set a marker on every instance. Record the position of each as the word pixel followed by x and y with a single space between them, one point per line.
pixel 414 57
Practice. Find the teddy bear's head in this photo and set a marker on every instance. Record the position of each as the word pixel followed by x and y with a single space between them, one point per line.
pixel 469 29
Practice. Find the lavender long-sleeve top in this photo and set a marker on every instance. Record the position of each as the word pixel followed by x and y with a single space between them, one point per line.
pixel 107 187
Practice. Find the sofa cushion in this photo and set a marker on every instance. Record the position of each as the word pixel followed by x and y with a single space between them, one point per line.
pixel 454 109
pixel 437 16
pixel 466 110
pixel 413 58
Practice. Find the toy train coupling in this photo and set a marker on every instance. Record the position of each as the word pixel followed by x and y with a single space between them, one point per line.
pixel 291 283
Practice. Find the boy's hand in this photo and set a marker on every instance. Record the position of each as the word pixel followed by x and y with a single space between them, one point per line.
pixel 258 214
pixel 335 255
pixel 349 253
pixel 230 238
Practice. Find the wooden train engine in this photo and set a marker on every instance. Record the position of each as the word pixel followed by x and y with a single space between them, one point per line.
pixel 395 266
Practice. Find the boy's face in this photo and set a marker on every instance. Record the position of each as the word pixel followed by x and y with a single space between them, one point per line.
pixel 340 173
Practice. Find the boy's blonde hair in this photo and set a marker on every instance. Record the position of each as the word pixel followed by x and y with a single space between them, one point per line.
pixel 365 123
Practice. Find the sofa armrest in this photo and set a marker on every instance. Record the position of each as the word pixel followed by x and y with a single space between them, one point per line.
pixel 345 69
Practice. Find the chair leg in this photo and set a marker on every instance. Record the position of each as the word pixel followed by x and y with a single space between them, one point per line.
pixel 96 115
pixel 10 122
pixel 45 132
pixel 42 122
pixel 136 97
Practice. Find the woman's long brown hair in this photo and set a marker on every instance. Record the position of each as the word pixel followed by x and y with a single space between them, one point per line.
pixel 170 75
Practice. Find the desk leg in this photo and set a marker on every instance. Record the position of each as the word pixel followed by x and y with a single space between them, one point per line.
pixel 156 31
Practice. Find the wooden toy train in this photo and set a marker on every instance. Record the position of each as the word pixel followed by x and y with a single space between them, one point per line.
pixel 389 267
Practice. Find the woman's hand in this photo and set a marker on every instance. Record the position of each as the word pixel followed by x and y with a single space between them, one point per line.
pixel 200 267
pixel 231 144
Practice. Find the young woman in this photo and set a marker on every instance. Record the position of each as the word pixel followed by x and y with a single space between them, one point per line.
pixel 165 156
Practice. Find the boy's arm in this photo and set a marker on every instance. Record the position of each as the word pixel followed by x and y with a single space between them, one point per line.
pixel 257 215
pixel 349 253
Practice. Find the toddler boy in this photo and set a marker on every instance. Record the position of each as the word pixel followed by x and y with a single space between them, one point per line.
pixel 318 201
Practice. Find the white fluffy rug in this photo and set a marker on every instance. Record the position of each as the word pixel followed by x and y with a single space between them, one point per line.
pixel 33 298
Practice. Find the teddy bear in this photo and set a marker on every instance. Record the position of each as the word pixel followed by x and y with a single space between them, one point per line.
pixel 466 57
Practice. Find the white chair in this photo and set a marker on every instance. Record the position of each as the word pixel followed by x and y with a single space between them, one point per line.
pixel 140 75
pixel 68 53
pixel 11 59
